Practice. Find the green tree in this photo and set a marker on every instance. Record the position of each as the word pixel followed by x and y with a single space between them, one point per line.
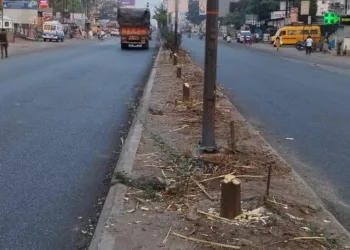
pixel 193 12
pixel 262 8
pixel 109 10
pixel 160 15
pixel 313 9
pixel 236 18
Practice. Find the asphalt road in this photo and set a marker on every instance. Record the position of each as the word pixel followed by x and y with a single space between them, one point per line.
pixel 61 117
pixel 293 98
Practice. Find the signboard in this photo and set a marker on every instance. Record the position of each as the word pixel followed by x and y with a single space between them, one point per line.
pixel 21 4
pixel 43 4
pixel 278 15
pixel 202 7
pixel 345 20
pixel 283 5
pixel 124 3
pixel 182 7
pixel 305 8
pixel 331 18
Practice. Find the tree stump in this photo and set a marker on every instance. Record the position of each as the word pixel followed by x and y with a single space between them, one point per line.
pixel 233 136
pixel 185 92
pixel 178 71
pixel 175 59
pixel 230 197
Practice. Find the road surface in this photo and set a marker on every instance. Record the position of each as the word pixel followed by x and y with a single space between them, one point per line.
pixel 293 98
pixel 62 113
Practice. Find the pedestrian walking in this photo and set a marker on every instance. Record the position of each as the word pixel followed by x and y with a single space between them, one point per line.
pixel 309 43
pixel 278 43
pixel 3 43
pixel 91 35
pixel 83 34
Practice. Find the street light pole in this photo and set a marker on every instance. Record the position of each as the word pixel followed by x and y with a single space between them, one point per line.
pixel 176 24
pixel 208 122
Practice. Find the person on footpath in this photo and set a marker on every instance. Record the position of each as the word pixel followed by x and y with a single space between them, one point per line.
pixel 91 35
pixel 309 43
pixel 3 43
pixel 278 43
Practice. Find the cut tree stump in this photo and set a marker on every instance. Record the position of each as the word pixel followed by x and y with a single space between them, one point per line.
pixel 233 136
pixel 175 59
pixel 178 71
pixel 230 197
pixel 186 92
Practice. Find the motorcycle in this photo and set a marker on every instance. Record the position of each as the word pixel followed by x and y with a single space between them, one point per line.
pixel 300 46
pixel 101 37
pixel 189 35
pixel 228 39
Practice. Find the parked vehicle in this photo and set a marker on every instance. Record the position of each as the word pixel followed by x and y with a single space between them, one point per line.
pixel 115 32
pixel 300 46
pixel 53 31
pixel 134 27
pixel 244 34
pixel 291 35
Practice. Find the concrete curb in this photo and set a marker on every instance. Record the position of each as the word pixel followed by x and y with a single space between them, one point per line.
pixel 103 239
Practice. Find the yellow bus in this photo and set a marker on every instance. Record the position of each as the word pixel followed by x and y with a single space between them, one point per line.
pixel 292 34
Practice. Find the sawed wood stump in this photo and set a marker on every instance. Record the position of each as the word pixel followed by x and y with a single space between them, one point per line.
pixel 230 197
pixel 185 92
pixel 175 59
pixel 178 71
pixel 233 136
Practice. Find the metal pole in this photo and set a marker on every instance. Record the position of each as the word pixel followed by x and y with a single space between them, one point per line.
pixel 286 14
pixel 2 15
pixel 176 23
pixel 208 123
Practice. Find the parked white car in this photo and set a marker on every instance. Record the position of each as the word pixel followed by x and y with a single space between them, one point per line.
pixel 115 32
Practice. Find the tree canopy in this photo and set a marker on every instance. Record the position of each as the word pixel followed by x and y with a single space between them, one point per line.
pixel 109 10
pixel 160 15
pixel 193 12
pixel 262 8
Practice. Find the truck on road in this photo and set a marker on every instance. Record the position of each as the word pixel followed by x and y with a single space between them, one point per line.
pixel 134 27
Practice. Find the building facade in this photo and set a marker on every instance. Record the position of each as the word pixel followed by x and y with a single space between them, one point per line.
pixel 322 7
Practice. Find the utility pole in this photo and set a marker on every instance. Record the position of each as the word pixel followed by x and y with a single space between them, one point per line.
pixel 73 10
pixel 211 42
pixel 2 14
pixel 286 14
pixel 176 23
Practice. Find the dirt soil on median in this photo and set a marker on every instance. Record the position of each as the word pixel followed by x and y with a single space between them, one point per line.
pixel 164 202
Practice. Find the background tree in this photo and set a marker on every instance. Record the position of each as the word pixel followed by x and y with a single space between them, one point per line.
pixel 313 9
pixel 262 8
pixel 236 18
pixel 109 10
pixel 160 15
pixel 193 12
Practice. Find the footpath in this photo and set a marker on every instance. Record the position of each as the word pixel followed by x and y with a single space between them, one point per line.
pixel 325 59
pixel 166 195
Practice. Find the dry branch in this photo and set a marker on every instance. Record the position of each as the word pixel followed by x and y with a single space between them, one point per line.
pixel 205 242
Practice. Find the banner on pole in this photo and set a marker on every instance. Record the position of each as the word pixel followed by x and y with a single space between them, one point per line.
pixel 202 7
pixel 305 8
